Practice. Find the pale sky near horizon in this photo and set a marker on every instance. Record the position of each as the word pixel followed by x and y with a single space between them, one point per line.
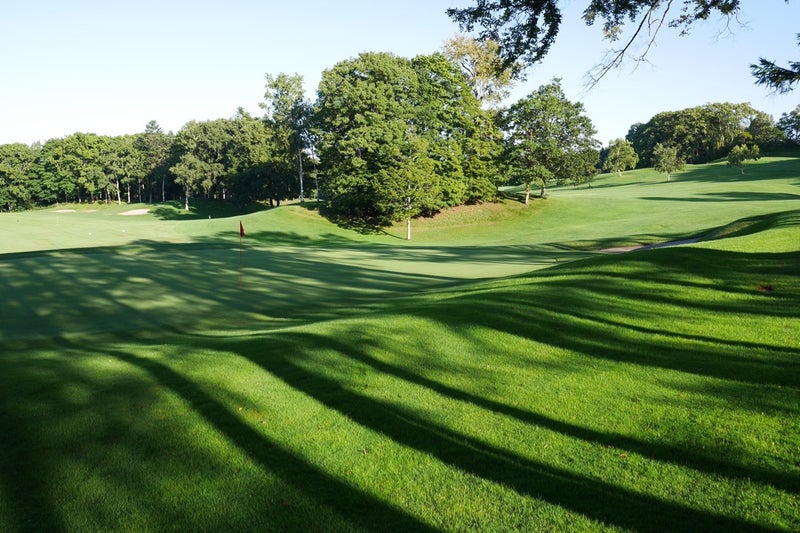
pixel 109 67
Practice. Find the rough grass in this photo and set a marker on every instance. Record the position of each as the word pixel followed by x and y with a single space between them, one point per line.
pixel 486 376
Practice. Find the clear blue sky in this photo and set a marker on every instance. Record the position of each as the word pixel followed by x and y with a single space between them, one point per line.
pixel 109 67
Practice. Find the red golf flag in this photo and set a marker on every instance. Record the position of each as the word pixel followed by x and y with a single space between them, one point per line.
pixel 241 230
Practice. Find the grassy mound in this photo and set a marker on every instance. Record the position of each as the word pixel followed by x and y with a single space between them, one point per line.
pixel 496 373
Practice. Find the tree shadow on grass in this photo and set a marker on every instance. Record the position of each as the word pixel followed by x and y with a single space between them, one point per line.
pixel 135 459
pixel 25 473
pixel 282 357
pixel 729 196
pixel 719 173
pixel 368 341
pixel 355 506
pixel 152 285
pixel 734 275
pixel 559 324
pixel 202 209
pixel 756 224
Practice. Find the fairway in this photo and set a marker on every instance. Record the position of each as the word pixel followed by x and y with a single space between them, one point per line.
pixel 499 372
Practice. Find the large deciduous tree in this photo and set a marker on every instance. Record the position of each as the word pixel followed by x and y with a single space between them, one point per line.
pixel 526 29
pixel 400 137
pixel 202 158
pixel 621 156
pixel 549 138
pixel 481 63
pixel 789 123
pixel 72 167
pixel 741 153
pixel 16 170
pixel 155 147
pixel 365 116
pixel 461 137
pixel 666 159
pixel 288 116
pixel 258 167
pixel 124 166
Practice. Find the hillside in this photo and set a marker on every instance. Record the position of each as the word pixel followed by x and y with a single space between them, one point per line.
pixel 498 372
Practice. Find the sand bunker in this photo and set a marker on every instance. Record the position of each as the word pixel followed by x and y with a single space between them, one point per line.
pixel 134 212
pixel 64 211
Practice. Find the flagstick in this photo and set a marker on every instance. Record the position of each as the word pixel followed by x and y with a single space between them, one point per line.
pixel 241 236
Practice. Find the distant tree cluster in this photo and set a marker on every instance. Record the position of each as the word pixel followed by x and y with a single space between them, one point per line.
pixel 388 139
pixel 241 159
pixel 702 134
pixel 85 167
pixel 789 123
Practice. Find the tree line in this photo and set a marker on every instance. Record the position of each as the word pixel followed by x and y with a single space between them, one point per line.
pixel 387 139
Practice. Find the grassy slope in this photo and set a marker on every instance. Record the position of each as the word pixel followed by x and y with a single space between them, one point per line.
pixel 362 381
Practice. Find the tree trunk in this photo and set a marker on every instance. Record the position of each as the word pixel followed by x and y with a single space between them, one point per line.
pixel 300 167
pixel 408 229
pixel 119 197
pixel 543 192
pixel 527 194
pixel 186 203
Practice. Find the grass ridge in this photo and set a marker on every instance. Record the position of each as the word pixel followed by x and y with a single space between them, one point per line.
pixel 495 374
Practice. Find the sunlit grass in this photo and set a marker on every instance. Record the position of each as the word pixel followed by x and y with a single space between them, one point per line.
pixel 359 382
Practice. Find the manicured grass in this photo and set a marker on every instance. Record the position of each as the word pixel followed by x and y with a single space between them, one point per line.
pixel 494 374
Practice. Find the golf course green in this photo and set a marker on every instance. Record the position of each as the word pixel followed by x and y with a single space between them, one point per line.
pixel 508 369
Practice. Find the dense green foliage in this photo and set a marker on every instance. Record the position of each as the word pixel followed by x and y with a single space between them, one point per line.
pixel 549 139
pixel 619 156
pixel 704 133
pixel 482 65
pixel 778 78
pixel 741 153
pixel 666 159
pixel 387 139
pixel 359 382
pixel 16 162
pixel 789 123
pixel 526 29
pixel 288 118
pixel 401 137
